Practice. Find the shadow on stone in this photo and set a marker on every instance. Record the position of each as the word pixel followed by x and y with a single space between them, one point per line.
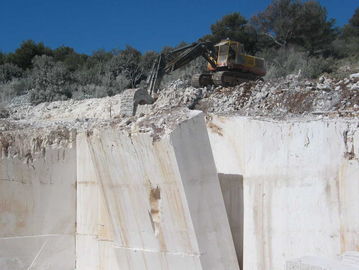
pixel 232 190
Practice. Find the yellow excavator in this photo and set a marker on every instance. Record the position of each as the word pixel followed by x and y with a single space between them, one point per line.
pixel 228 64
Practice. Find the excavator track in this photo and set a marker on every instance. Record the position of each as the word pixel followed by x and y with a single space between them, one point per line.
pixel 231 78
pixel 201 80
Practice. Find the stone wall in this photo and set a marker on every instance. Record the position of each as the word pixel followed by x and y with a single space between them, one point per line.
pixel 109 198
pixel 149 196
pixel 151 205
pixel 37 202
pixel 300 181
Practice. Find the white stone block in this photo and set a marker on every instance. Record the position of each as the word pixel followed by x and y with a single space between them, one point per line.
pixel 37 207
pixel 300 182
pixel 162 206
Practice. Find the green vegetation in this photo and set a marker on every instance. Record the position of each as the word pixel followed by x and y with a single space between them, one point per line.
pixel 304 24
pixel 293 36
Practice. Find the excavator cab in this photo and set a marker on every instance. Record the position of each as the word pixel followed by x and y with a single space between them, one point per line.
pixel 228 52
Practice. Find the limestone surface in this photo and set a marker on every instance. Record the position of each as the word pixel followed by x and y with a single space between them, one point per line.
pixel 268 173
pixel 37 200
pixel 140 196
pixel 300 185
pixel 320 263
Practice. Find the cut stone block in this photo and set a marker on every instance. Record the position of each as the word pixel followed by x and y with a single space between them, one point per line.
pixel 151 204
pixel 37 202
pixel 300 185
pixel 111 198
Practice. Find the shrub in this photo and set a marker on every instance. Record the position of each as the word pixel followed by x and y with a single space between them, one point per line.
pixel 8 72
pixel 13 88
pixel 346 47
pixel 281 62
pixel 294 60
pixel 316 66
pixel 2 58
pixel 4 113
pixel 50 80
pixel 6 92
pixel 90 75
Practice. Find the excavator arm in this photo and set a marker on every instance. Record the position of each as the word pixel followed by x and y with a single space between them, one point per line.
pixel 176 59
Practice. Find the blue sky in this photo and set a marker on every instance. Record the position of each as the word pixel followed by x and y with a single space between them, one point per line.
pixel 88 25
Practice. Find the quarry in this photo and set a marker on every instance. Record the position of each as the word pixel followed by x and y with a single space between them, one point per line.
pixel 263 175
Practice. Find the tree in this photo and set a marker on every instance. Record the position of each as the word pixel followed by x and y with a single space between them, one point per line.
pixel 351 29
pixel 94 68
pixel 62 52
pixel 25 53
pixel 75 61
pixel 50 80
pixel 297 22
pixel 147 60
pixel 69 57
pixel 127 63
pixel 354 21
pixel 235 27
pixel 2 58
pixel 347 45
pixel 100 56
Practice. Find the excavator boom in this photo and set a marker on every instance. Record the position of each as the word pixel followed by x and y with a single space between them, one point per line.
pixel 176 59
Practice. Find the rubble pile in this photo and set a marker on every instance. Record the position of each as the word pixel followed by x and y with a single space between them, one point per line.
pixel 178 93
pixel 290 96
pixel 74 114
pixel 281 98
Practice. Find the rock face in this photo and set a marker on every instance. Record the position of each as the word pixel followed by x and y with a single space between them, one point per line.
pixel 300 185
pixel 141 202
pixel 115 184
pixel 154 208
pixel 37 200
